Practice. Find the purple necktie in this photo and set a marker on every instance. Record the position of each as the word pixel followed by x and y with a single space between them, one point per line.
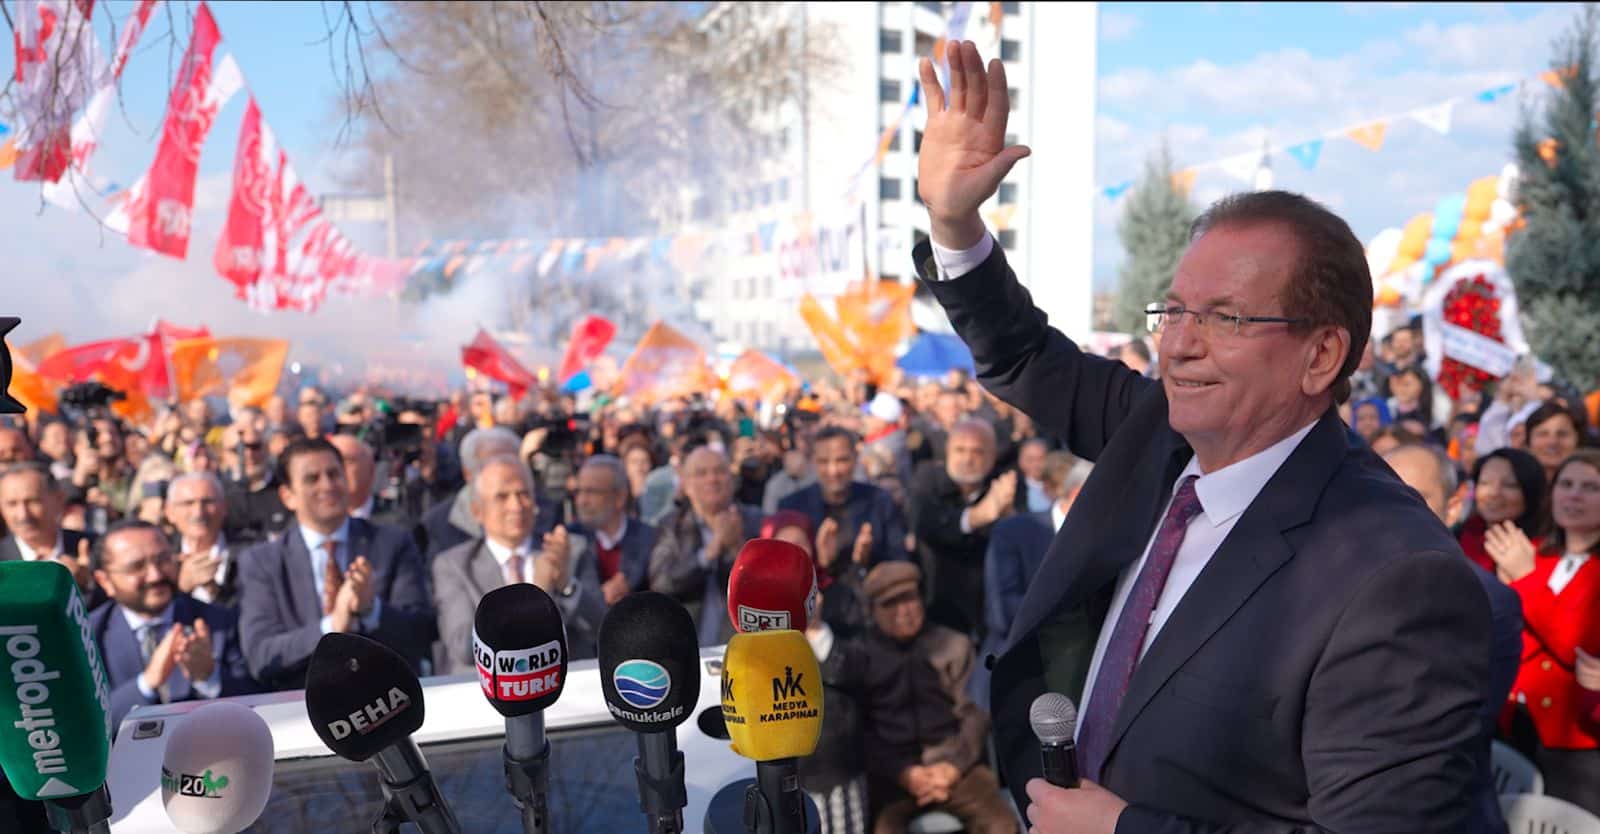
pixel 1122 652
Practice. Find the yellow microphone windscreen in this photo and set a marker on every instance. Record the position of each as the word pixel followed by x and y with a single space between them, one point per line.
pixel 771 695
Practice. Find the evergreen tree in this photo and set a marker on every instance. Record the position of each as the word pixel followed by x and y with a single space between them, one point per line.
pixel 1154 230
pixel 1554 260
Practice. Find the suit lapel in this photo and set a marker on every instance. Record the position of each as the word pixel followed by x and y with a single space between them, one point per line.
pixel 297 573
pixel 9 551
pixel 1254 549
pixel 484 570
pixel 360 542
pixel 121 647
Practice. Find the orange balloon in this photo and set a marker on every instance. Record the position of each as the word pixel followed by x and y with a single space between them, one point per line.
pixel 1413 242
pixel 1480 196
pixel 1471 229
pixel 1463 249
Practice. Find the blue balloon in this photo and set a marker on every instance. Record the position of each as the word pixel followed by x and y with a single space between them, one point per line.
pixel 578 382
pixel 1438 251
pixel 1447 216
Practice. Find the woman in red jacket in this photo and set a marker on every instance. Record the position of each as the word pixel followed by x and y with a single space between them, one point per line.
pixel 1558 579
pixel 1507 488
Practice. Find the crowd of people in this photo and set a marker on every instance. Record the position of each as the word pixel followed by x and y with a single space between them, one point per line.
pixel 216 548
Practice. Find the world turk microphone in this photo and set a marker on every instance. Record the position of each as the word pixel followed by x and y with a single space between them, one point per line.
pixel 216 773
pixel 55 709
pixel 1054 720
pixel 772 704
pixel 520 648
pixel 365 702
pixel 773 585
pixel 650 674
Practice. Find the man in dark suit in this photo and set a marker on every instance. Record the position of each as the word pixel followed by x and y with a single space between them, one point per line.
pixel 621 542
pixel 562 566
pixel 328 572
pixel 32 503
pixel 208 564
pixel 697 542
pixel 255 505
pixel 160 646
pixel 1264 629
pixel 450 523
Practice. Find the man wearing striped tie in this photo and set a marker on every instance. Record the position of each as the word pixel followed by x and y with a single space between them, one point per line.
pixel 328 572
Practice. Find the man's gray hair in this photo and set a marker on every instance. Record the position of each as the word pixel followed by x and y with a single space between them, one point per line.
pixel 209 478
pixel 483 445
pixel 36 468
pixel 509 460
pixel 613 465
pixel 1446 468
pixel 975 427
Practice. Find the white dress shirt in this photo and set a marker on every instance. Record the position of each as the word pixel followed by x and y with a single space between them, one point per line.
pixel 950 264
pixel 502 554
pixel 319 560
pixel 30 555
pixel 1565 569
pixel 608 541
pixel 1224 496
pixel 211 687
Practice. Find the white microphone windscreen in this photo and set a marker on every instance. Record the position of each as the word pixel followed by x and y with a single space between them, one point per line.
pixel 217 771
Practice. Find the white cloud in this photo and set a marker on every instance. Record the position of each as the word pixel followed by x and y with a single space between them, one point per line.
pixel 1117 25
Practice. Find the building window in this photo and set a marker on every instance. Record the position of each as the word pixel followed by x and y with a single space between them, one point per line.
pixel 1008 193
pixel 1007 239
pixel 936 8
pixel 1011 8
pixel 766 194
pixel 702 207
pixel 888 189
pixel 924 45
pixel 916 192
pixel 894 141
pixel 889 40
pixel 1010 50
pixel 1016 98
pixel 783 190
pixel 889 90
pixel 916 141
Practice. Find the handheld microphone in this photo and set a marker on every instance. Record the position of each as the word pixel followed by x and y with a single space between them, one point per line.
pixel 520 648
pixel 216 773
pixel 1054 720
pixel 365 702
pixel 55 708
pixel 773 585
pixel 772 703
pixel 650 675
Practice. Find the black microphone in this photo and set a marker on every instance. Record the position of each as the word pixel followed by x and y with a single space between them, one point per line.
pixel 520 648
pixel 365 703
pixel 1054 720
pixel 650 674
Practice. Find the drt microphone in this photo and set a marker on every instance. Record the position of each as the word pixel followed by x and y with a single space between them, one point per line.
pixel 55 709
pixel 520 648
pixel 1054 720
pixel 365 702
pixel 216 773
pixel 650 675
pixel 772 703
pixel 773 585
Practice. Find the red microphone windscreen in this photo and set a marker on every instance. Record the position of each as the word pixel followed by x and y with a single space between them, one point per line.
pixel 773 585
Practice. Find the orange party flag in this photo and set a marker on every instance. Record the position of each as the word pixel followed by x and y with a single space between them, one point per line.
pixel 246 370
pixel 837 349
pixel 29 388
pixel 663 365
pixel 1369 136
pixel 756 374
pixel 39 349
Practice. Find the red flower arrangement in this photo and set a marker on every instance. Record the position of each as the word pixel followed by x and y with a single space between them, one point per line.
pixel 1473 305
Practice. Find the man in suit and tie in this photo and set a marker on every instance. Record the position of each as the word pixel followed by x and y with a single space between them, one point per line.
pixel 208 564
pixel 327 573
pixel 503 502
pixel 698 541
pixel 621 542
pixel 1263 628
pixel 450 523
pixel 32 503
pixel 160 645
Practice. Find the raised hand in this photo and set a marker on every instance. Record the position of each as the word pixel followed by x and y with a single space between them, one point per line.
pixel 194 653
pixel 163 660
pixel 195 570
pixel 963 156
pixel 1510 549
pixel 862 550
pixel 827 543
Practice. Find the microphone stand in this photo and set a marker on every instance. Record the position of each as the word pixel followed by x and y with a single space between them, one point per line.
pixel 410 793
pixel 527 760
pixel 659 769
pixel 86 814
pixel 774 804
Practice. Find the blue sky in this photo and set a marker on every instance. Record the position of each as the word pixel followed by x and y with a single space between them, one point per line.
pixel 1213 79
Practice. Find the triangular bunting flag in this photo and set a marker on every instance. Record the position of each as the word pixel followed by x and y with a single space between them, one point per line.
pixel 1112 192
pixel 1369 136
pixel 1184 180
pixel 1436 117
pixel 1307 153
pixel 1241 167
pixel 1496 92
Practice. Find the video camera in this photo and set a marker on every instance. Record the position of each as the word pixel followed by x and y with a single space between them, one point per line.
pixel 86 402
pixel 559 453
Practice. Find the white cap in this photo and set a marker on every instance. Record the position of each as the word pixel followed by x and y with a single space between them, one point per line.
pixel 885 406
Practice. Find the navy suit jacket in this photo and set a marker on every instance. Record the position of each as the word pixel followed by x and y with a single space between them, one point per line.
pixel 1017 545
pixel 93 596
pixel 1325 671
pixel 636 543
pixel 119 650
pixel 865 504
pixel 280 614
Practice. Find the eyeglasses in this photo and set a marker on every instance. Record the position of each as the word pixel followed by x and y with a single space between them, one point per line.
pixel 1159 317
pixel 138 568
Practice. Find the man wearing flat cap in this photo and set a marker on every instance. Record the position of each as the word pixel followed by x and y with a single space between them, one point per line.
pixel 925 736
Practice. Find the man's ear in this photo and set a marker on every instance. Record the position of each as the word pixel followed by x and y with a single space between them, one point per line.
pixel 1330 346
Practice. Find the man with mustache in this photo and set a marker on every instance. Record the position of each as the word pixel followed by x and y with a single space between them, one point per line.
pixel 160 646
pixel 954 503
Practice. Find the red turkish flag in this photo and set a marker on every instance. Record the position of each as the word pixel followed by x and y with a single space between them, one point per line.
pixel 133 365
pixel 590 335
pixel 171 333
pixel 487 357
pixel 242 251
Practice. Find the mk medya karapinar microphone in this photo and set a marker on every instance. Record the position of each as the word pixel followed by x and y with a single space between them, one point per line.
pixel 365 703
pixel 772 703
pixel 650 674
pixel 216 773
pixel 773 585
pixel 1054 720
pixel 55 708
pixel 520 648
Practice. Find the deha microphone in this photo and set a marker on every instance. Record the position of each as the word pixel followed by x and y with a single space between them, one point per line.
pixel 650 675
pixel 365 703
pixel 216 773
pixel 772 704
pixel 1054 720
pixel 773 585
pixel 55 708
pixel 520 648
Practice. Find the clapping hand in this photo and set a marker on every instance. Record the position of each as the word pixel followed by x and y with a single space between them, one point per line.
pixel 1512 552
